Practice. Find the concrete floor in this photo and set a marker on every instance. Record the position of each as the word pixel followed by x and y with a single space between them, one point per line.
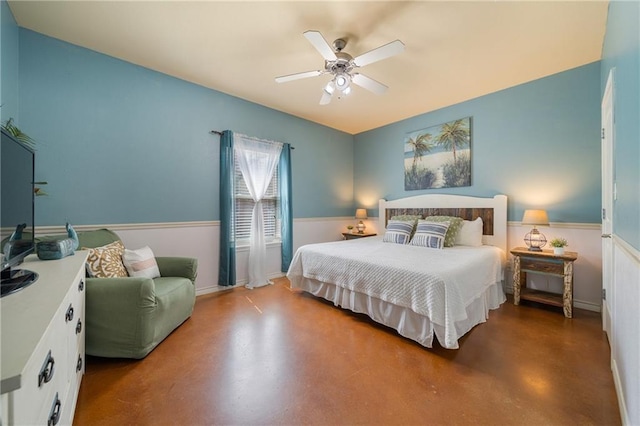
pixel 277 356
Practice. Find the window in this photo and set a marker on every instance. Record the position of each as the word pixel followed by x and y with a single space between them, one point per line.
pixel 244 207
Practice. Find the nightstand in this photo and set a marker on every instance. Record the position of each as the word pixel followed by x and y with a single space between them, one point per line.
pixel 350 236
pixel 543 262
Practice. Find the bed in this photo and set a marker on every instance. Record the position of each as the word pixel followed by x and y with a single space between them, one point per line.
pixel 418 291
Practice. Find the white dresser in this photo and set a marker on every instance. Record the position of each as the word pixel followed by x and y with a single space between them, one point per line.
pixel 42 344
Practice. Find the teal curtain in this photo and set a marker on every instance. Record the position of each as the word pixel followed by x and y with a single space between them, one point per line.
pixel 286 212
pixel 227 261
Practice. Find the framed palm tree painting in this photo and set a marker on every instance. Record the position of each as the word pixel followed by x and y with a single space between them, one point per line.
pixel 438 156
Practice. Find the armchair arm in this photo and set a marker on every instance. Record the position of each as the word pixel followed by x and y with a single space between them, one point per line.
pixel 118 315
pixel 186 267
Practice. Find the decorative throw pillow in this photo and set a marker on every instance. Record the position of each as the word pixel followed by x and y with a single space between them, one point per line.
pixel 430 234
pixel 398 232
pixel 410 218
pixel 106 261
pixel 455 223
pixel 141 263
pixel 470 233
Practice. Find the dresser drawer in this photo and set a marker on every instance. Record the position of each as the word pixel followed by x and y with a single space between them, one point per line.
pixel 545 267
pixel 43 350
pixel 44 376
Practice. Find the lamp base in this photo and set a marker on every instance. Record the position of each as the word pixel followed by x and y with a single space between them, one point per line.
pixel 535 240
pixel 360 227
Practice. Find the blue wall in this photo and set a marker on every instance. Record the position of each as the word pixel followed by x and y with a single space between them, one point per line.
pixel 538 143
pixel 622 51
pixel 123 144
pixel 119 143
pixel 8 64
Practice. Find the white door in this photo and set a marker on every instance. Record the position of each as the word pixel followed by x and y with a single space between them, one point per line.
pixel 608 195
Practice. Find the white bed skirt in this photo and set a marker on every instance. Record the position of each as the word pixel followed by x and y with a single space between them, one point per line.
pixel 406 322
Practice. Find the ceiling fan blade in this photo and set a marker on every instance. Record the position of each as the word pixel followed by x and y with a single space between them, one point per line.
pixel 321 45
pixel 298 76
pixel 379 53
pixel 369 84
pixel 326 98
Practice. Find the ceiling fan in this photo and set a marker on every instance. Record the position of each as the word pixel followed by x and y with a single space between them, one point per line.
pixel 342 66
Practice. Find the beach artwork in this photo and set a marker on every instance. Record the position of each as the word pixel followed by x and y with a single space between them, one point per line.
pixel 438 156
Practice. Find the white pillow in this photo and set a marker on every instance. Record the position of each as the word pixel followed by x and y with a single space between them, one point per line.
pixel 141 263
pixel 470 233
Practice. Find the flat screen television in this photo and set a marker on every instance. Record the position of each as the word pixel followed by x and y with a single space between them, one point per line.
pixel 17 171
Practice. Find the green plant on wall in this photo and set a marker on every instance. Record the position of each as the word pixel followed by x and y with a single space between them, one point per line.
pixel 27 141
pixel 18 134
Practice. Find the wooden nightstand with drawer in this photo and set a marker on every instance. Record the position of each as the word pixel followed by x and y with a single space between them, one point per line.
pixel 548 263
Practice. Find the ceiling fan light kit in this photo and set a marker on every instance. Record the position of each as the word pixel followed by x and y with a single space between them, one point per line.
pixel 341 65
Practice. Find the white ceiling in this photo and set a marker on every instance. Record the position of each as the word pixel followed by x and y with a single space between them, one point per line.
pixel 455 51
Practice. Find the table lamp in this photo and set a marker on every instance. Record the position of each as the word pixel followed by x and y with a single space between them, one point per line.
pixel 361 214
pixel 535 240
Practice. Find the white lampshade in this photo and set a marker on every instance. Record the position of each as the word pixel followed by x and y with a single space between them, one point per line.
pixel 361 213
pixel 535 217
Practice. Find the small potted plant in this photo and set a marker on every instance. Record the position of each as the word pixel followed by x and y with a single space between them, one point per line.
pixel 558 245
pixel 350 229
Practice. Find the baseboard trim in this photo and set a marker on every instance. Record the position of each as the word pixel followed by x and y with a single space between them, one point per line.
pixel 587 306
pixel 216 288
pixel 579 304
pixel 624 414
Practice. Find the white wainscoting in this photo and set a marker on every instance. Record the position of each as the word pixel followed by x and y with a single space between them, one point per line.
pixel 200 240
pixel 189 239
pixel 625 329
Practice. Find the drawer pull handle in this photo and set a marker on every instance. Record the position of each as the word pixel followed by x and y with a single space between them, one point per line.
pixel 79 327
pixel 69 315
pixel 54 414
pixel 47 370
pixel 81 285
pixel 79 364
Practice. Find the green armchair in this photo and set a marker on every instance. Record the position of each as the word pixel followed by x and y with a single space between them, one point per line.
pixel 128 317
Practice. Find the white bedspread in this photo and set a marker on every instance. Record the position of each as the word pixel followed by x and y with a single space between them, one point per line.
pixel 438 284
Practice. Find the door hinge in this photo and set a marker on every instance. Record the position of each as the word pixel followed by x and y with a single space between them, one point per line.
pixel 604 294
pixel 602 133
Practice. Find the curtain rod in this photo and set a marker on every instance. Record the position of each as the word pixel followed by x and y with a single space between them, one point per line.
pixel 219 133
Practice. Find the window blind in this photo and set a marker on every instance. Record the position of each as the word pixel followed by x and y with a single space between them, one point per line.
pixel 244 207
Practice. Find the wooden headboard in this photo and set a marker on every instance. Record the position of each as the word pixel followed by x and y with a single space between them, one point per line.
pixel 493 212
